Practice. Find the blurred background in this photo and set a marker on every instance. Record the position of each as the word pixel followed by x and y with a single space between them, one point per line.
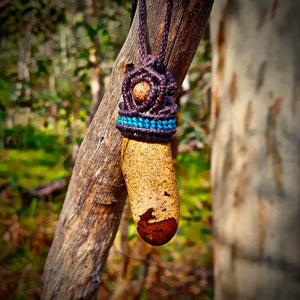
pixel 55 60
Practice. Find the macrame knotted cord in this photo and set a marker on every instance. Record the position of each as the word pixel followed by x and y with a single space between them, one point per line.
pixel 152 120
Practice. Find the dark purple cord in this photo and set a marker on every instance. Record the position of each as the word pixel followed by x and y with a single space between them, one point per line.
pixel 164 40
pixel 133 9
pixel 153 120
pixel 142 13
pixel 142 21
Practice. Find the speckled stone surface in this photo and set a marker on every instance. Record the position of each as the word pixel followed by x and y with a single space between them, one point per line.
pixel 141 91
pixel 152 189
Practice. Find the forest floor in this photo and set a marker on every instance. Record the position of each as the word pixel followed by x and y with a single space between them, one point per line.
pixel 182 269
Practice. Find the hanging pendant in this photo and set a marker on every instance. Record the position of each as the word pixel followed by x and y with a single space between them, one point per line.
pixel 147 121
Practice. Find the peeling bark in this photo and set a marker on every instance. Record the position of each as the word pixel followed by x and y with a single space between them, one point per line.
pixel 92 209
pixel 255 155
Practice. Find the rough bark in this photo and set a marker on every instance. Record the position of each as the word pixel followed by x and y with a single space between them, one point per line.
pixel 92 209
pixel 255 154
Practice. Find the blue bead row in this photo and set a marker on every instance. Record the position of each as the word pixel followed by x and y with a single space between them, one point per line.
pixel 146 123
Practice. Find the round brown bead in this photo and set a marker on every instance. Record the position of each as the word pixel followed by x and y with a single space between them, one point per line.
pixel 141 91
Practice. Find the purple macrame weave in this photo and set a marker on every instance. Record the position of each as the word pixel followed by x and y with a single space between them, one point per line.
pixel 154 119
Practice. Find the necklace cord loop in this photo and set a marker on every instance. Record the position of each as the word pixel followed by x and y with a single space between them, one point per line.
pixel 142 24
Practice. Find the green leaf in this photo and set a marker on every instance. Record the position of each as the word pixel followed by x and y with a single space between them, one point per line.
pixel 90 31
pixel 84 54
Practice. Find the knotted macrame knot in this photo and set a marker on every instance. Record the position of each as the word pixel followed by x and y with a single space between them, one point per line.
pixel 148 112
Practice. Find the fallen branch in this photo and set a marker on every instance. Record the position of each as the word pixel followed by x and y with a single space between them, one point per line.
pixel 46 191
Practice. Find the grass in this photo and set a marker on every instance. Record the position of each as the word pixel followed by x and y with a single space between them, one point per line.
pixel 26 232
pixel 29 168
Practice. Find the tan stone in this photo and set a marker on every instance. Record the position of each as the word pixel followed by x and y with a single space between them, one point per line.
pixel 141 91
pixel 152 189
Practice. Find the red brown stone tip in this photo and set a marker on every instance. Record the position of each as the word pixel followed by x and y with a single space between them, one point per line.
pixel 141 91
pixel 157 233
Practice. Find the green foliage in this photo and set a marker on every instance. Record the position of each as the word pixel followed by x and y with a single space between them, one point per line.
pixel 29 137
pixel 30 168
pixel 26 232
pixel 194 188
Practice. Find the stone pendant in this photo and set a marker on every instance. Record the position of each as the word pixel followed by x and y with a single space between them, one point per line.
pixel 152 189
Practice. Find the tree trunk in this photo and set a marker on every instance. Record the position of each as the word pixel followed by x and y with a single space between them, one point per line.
pixel 91 213
pixel 255 154
pixel 24 59
pixel 76 89
pixel 96 82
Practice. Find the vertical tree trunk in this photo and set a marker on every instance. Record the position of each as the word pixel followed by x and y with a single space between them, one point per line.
pixel 124 242
pixel 91 213
pixel 52 84
pixel 24 59
pixel 255 154
pixel 96 82
pixel 76 89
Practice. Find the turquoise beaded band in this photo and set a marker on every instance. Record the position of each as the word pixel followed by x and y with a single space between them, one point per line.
pixel 146 123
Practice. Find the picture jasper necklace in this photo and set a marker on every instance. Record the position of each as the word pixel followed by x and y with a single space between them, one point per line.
pixel 147 121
